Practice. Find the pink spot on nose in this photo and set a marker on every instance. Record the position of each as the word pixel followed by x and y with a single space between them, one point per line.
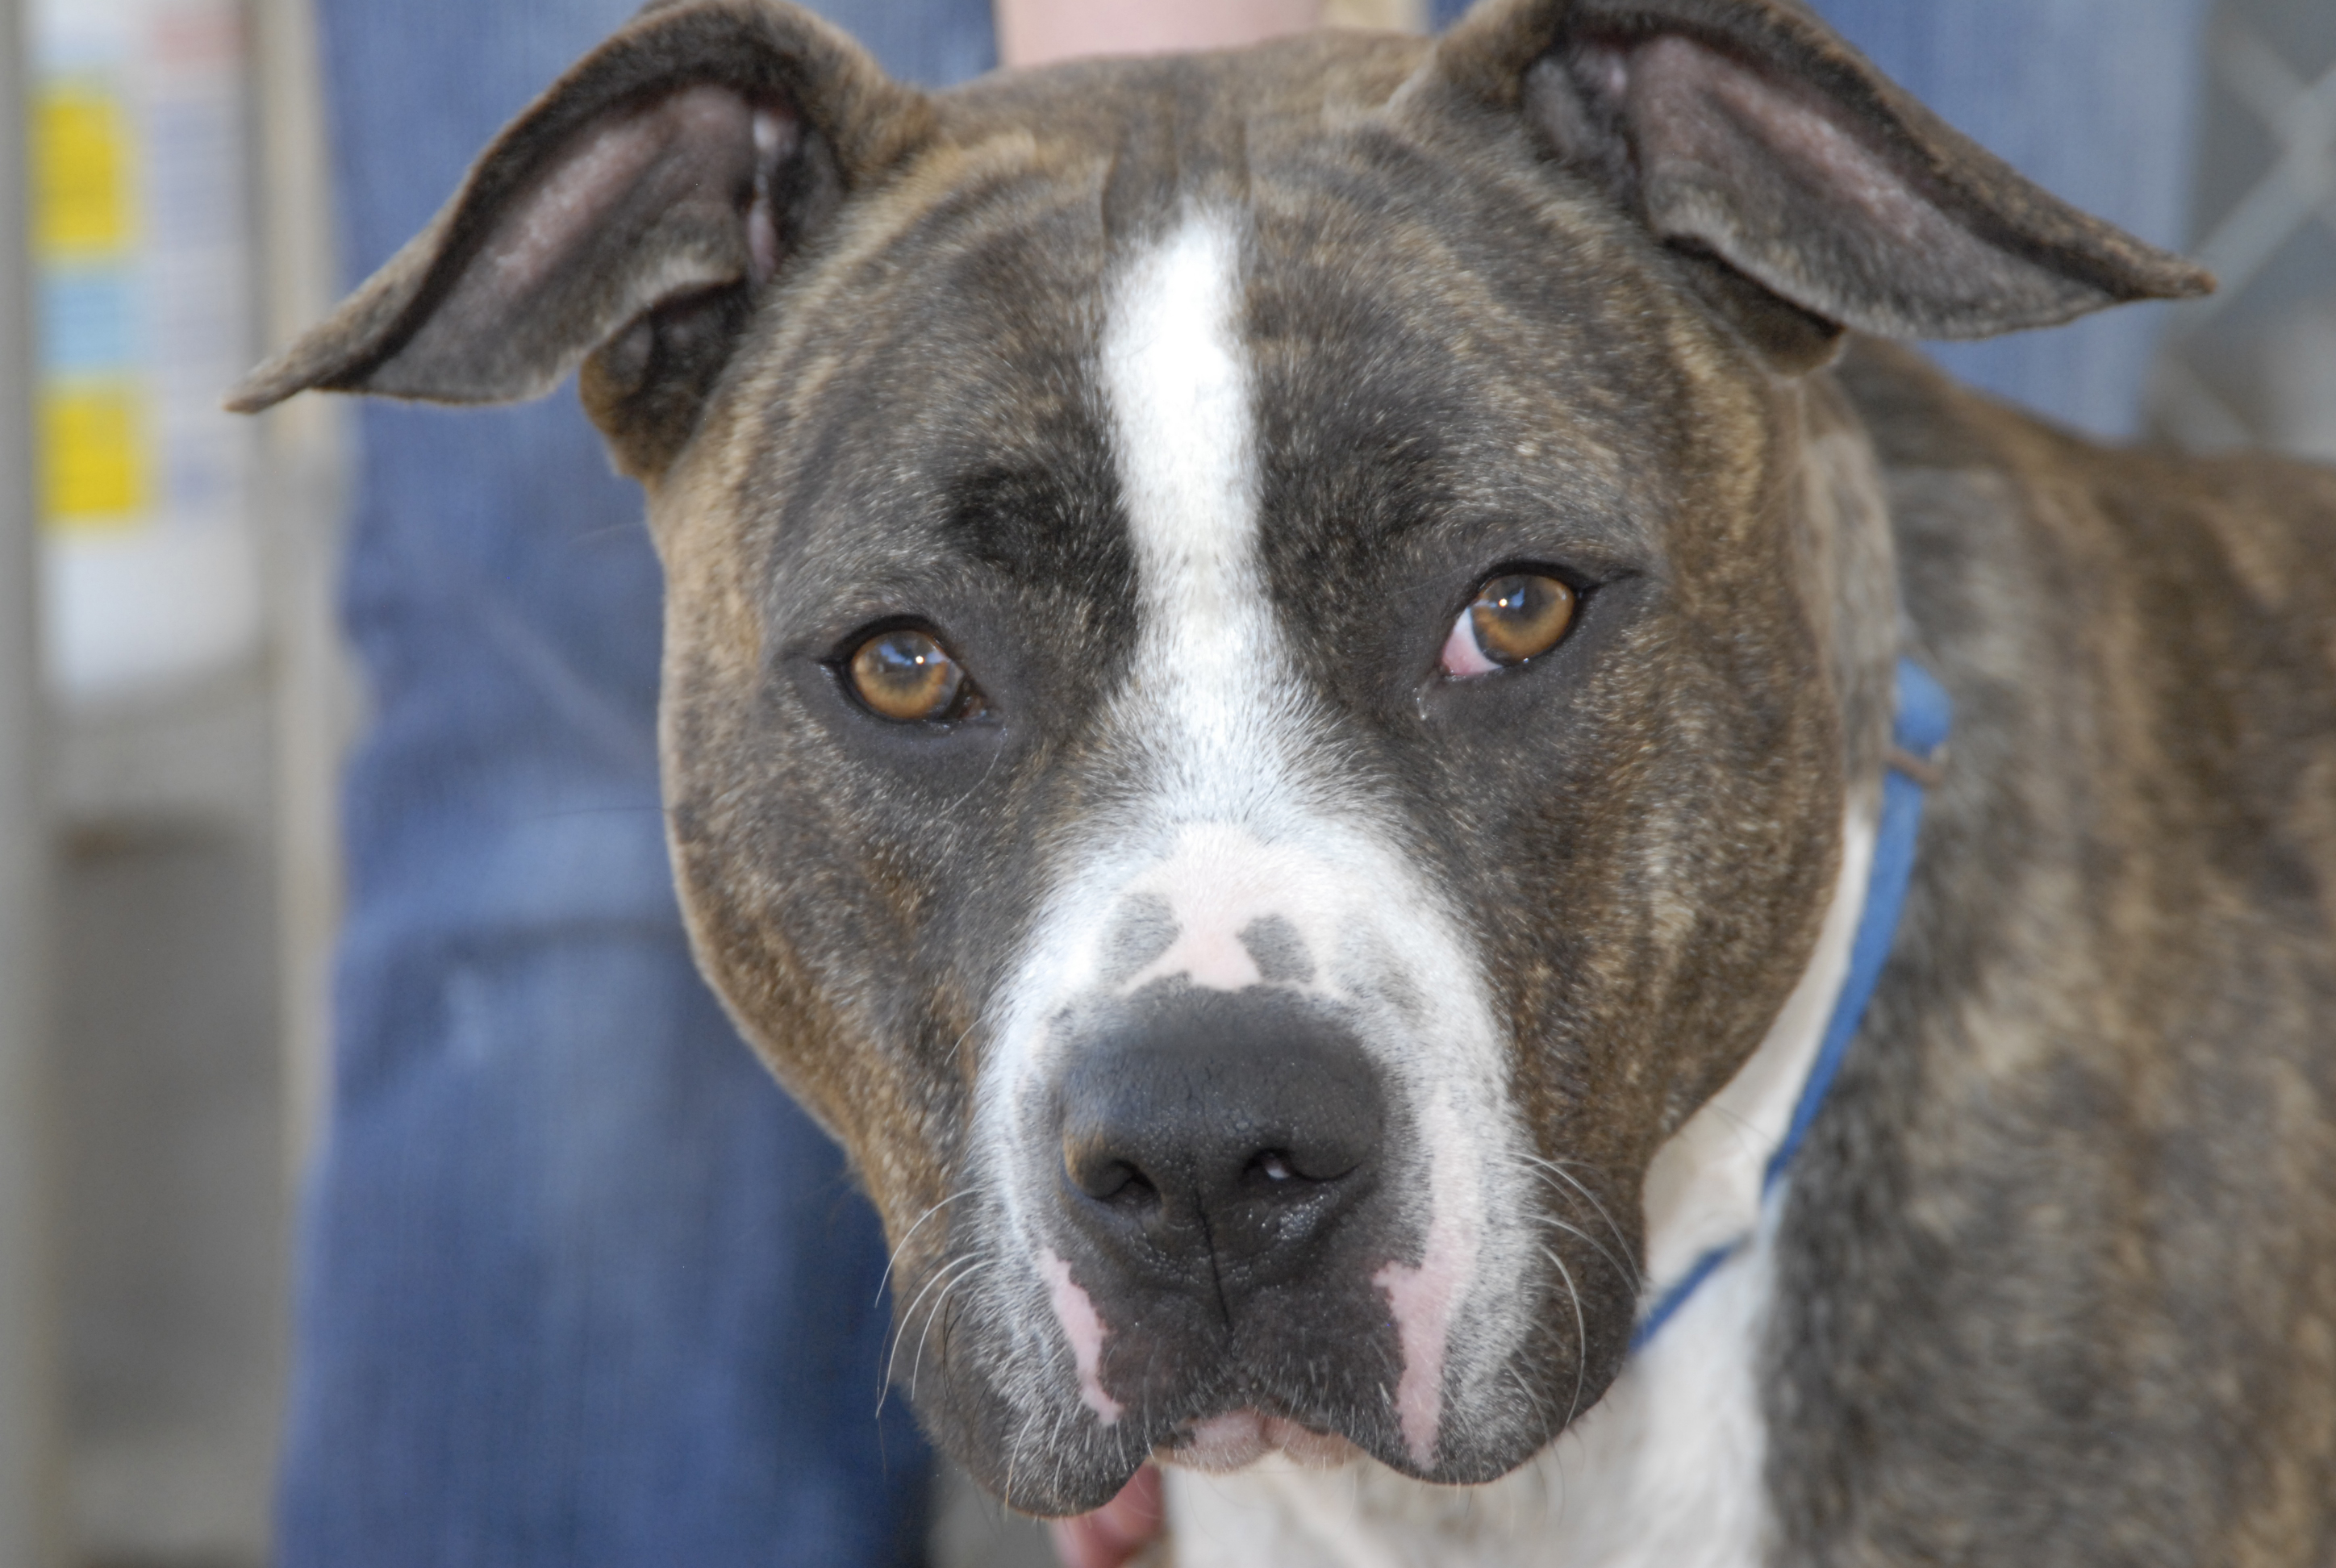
pixel 1210 956
pixel 1083 1326
pixel 1218 880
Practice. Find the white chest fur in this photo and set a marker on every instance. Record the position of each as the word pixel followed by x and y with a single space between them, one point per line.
pixel 1666 1472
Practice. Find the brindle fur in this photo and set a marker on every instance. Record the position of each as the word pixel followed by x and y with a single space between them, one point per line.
pixel 2056 1278
pixel 2057 1281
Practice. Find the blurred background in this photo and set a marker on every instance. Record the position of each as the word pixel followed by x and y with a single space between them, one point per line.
pixel 173 703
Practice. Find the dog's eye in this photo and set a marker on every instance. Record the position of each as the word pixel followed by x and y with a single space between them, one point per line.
pixel 904 675
pixel 1513 617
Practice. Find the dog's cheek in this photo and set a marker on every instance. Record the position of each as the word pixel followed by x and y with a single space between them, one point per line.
pixel 878 1085
pixel 1665 880
pixel 730 851
pixel 1764 725
pixel 785 918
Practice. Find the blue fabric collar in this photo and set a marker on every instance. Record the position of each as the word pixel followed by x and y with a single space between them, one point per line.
pixel 1920 731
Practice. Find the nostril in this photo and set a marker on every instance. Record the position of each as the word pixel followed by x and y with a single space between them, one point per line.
pixel 1130 1191
pixel 1105 1176
pixel 1283 1177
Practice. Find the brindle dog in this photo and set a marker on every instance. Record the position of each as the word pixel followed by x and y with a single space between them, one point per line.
pixel 1278 674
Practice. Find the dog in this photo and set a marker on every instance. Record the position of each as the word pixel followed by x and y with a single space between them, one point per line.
pixel 1451 851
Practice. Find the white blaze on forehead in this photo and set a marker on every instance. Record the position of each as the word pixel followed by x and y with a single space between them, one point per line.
pixel 1175 374
pixel 1176 377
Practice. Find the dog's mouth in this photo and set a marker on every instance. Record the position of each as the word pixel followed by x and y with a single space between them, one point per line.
pixel 1054 1395
pixel 1239 1438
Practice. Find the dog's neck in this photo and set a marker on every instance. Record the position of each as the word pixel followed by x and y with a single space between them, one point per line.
pixel 1705 1186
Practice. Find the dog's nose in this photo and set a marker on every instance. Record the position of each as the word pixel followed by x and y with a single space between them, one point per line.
pixel 1220 1139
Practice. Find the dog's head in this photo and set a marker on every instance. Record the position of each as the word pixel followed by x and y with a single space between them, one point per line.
pixel 1266 652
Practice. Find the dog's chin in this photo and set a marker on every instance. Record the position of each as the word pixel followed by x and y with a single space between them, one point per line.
pixel 1239 1438
pixel 1080 1476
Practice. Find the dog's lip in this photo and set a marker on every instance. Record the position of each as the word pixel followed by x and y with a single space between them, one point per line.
pixel 1235 1439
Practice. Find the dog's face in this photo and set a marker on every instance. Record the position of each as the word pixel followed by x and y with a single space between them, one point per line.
pixel 1261 679
pixel 1359 788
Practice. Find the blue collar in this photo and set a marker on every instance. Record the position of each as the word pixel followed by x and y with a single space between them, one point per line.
pixel 1924 715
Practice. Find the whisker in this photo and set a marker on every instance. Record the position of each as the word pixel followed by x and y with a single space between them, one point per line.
pixel 890 1262
pixel 1014 1449
pixel 1054 1444
pixel 1622 1266
pixel 892 1360
pixel 1557 1168
pixel 1524 1386
pixel 1580 1334
pixel 1748 1135
pixel 1621 1263
pixel 956 1048
pixel 917 1364
pixel 997 753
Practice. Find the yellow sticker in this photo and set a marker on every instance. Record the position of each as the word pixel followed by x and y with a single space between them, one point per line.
pixel 82 160
pixel 92 461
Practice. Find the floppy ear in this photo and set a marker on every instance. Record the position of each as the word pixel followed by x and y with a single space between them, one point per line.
pixel 1749 130
pixel 630 214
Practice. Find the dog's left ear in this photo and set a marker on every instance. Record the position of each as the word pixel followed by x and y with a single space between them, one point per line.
pixel 1748 130
pixel 627 219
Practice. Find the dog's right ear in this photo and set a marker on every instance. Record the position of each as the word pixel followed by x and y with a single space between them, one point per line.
pixel 630 215
pixel 1749 133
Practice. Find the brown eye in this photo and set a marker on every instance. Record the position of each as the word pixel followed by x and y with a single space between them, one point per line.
pixel 905 674
pixel 1513 618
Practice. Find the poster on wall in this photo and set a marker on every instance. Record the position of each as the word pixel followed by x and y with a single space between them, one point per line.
pixel 141 234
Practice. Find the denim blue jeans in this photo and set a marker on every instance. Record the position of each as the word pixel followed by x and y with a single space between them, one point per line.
pixel 580 1287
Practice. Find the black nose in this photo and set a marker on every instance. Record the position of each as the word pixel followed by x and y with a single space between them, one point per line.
pixel 1218 1138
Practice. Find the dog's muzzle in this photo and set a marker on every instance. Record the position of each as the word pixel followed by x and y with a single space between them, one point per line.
pixel 1221 1202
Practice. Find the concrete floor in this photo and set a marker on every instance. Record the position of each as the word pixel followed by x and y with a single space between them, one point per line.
pixel 170 1097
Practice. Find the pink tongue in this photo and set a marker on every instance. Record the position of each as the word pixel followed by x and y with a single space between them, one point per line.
pixel 1115 1532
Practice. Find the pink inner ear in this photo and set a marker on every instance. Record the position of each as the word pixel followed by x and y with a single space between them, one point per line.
pixel 625 162
pixel 1713 101
pixel 643 205
pixel 1789 185
pixel 1797 129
